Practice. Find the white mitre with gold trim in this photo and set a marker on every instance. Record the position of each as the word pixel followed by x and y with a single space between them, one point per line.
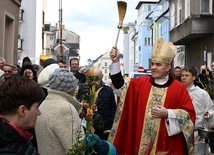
pixel 163 51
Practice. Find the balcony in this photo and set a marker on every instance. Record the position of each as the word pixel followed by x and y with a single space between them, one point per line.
pixel 192 29
pixel 198 23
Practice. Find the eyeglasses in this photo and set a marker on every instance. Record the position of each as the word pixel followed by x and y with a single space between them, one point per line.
pixel 7 71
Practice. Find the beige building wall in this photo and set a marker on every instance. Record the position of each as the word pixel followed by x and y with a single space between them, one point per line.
pixel 9 23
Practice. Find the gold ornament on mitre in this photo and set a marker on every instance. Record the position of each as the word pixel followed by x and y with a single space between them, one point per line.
pixel 163 51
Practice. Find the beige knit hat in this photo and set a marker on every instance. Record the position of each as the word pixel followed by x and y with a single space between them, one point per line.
pixel 43 76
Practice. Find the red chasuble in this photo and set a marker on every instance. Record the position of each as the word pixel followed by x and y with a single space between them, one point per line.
pixel 134 130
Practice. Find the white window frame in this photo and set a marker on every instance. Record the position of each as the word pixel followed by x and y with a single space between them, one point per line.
pixel 179 12
pixel 147 41
pixel 172 16
pixel 187 8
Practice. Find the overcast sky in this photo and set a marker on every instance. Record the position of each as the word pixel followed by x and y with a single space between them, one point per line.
pixel 94 20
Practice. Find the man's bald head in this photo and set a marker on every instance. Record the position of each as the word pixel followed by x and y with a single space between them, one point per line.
pixel 95 71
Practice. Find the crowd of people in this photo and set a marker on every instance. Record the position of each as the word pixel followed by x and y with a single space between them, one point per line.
pixel 42 109
pixel 59 124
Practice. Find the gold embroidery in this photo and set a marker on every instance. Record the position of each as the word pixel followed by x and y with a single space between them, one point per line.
pixel 119 110
pixel 186 126
pixel 163 51
pixel 151 126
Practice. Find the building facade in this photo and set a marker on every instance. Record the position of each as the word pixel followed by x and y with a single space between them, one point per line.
pixel 70 44
pixel 137 42
pixel 150 32
pixel 9 23
pixel 138 38
pixel 161 25
pixel 191 25
pixel 129 46
pixel 32 30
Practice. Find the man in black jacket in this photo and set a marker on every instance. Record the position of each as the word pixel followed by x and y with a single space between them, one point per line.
pixel 74 66
pixel 19 108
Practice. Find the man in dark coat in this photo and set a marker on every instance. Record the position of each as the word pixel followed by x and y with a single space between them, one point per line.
pixel 105 102
pixel 74 66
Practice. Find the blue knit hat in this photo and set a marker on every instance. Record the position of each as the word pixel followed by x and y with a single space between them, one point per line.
pixel 101 147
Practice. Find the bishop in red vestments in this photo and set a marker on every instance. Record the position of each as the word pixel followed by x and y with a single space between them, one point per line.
pixel 155 114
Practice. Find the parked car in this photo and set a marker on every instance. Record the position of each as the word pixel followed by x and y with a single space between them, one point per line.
pixel 138 74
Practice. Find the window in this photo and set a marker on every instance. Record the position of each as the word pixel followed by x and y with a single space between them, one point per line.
pixel 163 28
pixel 51 36
pixel 20 42
pixel 206 6
pixel 106 71
pixel 187 8
pixel 106 63
pixel 149 8
pixel 21 14
pixel 47 27
pixel 145 7
pixel 147 41
pixel 180 15
pixel 179 12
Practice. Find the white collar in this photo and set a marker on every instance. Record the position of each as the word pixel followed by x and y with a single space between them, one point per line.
pixel 192 87
pixel 162 81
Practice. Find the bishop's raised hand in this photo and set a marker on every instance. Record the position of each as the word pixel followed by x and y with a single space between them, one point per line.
pixel 114 54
